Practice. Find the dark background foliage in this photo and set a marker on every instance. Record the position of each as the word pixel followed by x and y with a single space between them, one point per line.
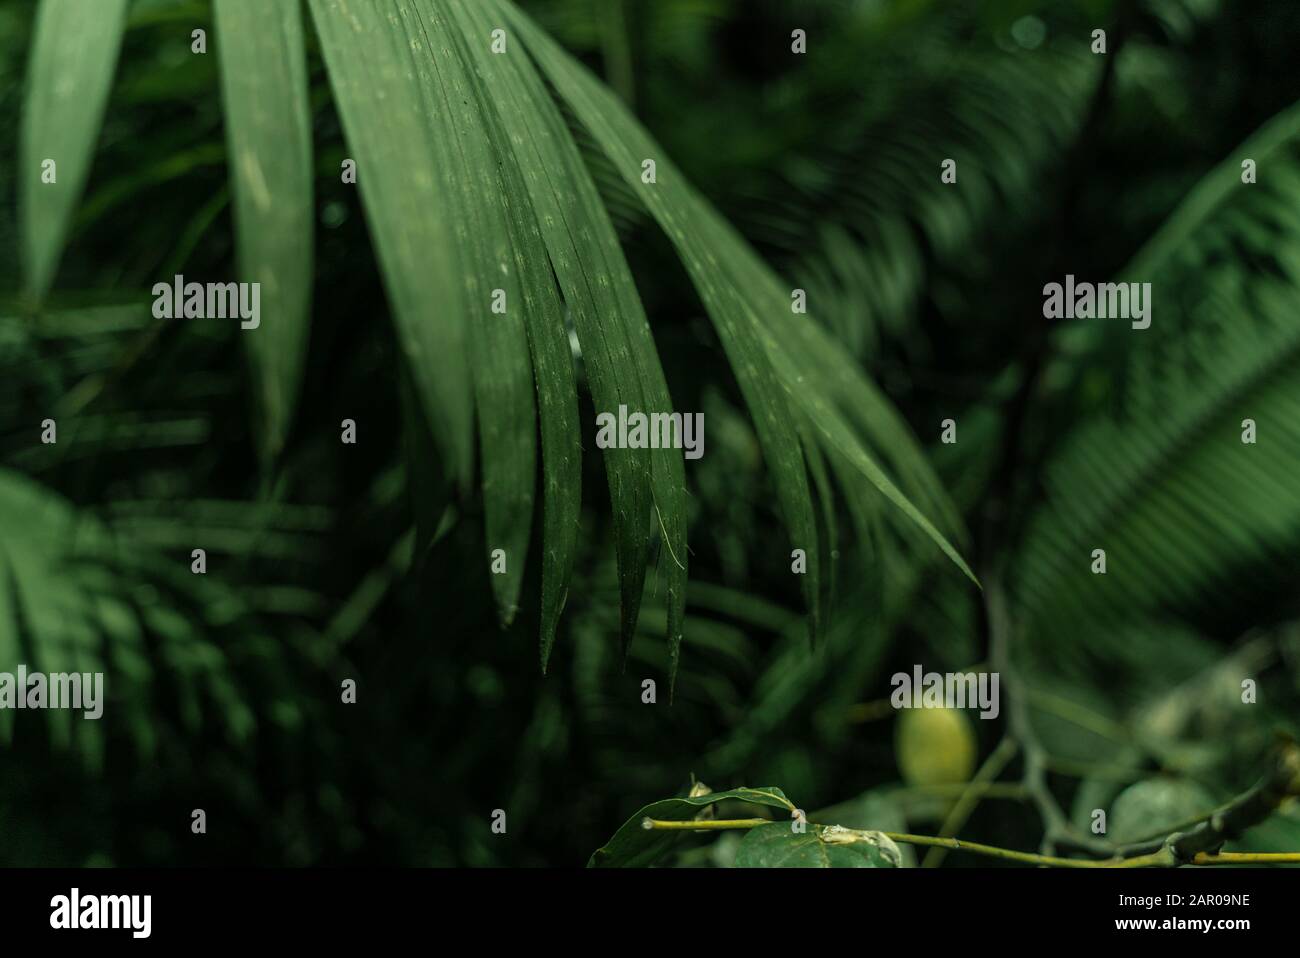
pixel 828 164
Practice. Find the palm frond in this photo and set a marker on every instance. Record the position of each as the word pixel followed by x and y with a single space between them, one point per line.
pixel 77 597
pixel 268 129
pixel 1191 517
pixel 827 394
pixel 613 332
pixel 857 211
pixel 475 185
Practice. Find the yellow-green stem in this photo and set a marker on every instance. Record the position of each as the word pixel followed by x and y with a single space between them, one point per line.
pixel 703 824
pixel 1247 858
pixel 1161 858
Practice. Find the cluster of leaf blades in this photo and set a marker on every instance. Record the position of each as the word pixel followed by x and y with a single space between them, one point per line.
pixel 472 184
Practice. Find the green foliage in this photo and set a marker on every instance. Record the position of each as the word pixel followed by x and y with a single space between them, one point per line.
pixel 419 255
pixel 778 846
pixel 81 596
pixel 478 171
pixel 636 845
pixel 1156 806
pixel 497 199
pixel 74 50
pixel 268 129
pixel 861 215
pixel 1156 469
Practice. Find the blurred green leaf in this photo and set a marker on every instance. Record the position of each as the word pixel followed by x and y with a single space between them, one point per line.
pixel 74 53
pixel 1156 806
pixel 268 131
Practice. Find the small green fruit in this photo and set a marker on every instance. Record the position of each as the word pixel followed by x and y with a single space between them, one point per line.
pixel 935 746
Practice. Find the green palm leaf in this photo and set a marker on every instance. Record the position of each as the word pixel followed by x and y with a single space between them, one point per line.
pixel 511 173
pixel 268 131
pixel 74 53
pixel 613 332
pixel 786 378
pixel 584 254
pixel 371 68
pixel 472 184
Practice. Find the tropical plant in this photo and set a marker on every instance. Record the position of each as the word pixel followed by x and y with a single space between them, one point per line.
pixel 543 244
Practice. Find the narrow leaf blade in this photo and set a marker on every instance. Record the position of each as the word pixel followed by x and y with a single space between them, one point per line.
pixel 376 83
pixel 619 352
pixel 74 55
pixel 268 131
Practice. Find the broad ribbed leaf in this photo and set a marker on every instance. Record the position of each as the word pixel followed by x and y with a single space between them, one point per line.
pixel 268 132
pixel 74 54
pixel 635 846
pixel 819 846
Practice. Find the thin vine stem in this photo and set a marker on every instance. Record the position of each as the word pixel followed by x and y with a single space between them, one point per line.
pixel 1154 860
pixel 1247 858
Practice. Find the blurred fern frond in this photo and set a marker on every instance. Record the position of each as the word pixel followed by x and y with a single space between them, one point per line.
pixel 79 598
pixel 1159 471
pixel 860 211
